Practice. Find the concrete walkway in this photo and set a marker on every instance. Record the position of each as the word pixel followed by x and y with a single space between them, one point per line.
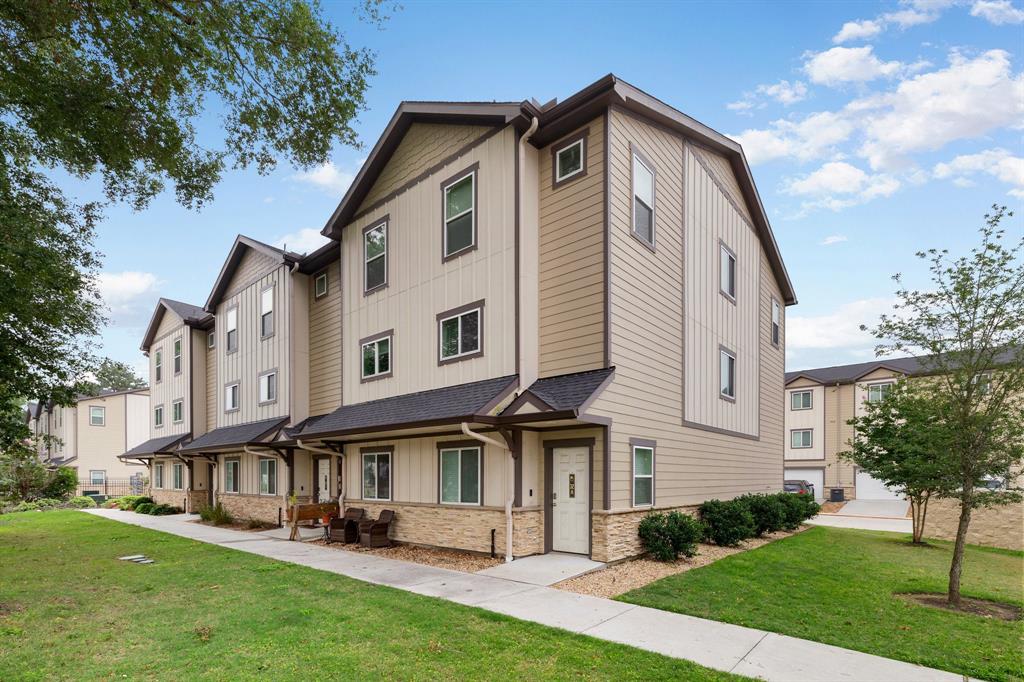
pixel 894 509
pixel 543 569
pixel 731 648
pixel 863 523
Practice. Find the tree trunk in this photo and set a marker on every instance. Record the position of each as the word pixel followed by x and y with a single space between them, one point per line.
pixel 915 515
pixel 953 597
pixel 924 515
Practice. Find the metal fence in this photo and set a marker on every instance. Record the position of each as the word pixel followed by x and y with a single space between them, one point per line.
pixel 113 487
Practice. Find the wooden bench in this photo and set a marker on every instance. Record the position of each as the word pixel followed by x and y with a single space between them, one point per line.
pixel 310 512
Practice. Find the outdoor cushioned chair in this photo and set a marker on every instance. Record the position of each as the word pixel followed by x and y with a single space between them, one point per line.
pixel 346 529
pixel 375 533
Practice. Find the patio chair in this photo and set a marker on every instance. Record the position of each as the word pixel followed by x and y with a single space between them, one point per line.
pixel 374 533
pixel 346 529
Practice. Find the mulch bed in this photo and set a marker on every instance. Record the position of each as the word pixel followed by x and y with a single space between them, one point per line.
pixel 978 607
pixel 831 507
pixel 430 556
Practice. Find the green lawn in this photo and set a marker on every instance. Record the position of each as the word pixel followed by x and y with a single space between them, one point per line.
pixel 837 586
pixel 70 610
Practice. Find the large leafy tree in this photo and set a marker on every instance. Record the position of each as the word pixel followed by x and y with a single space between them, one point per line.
pixel 113 90
pixel 112 375
pixel 968 330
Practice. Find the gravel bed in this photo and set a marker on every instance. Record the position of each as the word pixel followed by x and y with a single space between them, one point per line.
pixel 635 573
pixel 439 558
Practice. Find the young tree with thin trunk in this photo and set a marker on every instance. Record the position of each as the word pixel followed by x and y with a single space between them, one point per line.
pixel 968 331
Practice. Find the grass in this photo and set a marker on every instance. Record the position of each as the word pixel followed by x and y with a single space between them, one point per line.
pixel 70 610
pixel 837 586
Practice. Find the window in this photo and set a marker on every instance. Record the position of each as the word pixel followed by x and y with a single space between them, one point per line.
pixel 643 476
pixel 231 330
pixel 376 475
pixel 177 476
pixel 570 159
pixel 158 365
pixel 460 214
pixel 375 257
pixel 158 476
pixel 460 476
pixel 158 416
pixel 727 272
pixel 320 285
pixel 878 392
pixel 178 411
pixel 377 357
pixel 177 356
pixel 97 415
pixel 97 477
pixel 800 400
pixel 801 439
pixel 268 476
pixel 727 367
pixel 983 382
pixel 461 333
pixel 230 397
pixel 231 475
pixel 643 200
pixel 267 312
pixel 268 387
pixel 211 339
pixel 776 322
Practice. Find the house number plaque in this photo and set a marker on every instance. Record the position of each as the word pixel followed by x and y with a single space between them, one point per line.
pixel 572 485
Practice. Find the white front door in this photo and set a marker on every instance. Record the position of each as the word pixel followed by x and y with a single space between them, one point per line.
pixel 323 479
pixel 570 503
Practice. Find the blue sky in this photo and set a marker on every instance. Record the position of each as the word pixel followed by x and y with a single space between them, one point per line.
pixel 873 130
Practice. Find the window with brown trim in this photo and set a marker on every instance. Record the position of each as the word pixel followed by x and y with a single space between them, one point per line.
pixel 376 475
pixel 320 285
pixel 460 475
pixel 459 198
pixel 569 159
pixel 801 439
pixel 727 371
pixel 727 271
pixel 776 322
pixel 376 354
pixel 460 333
pixel 375 257
pixel 643 199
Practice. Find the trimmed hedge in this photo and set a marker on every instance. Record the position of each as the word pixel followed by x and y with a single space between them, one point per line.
pixel 729 523
pixel 798 508
pixel 666 536
pixel 768 511
pixel 81 502
pixel 144 507
pixel 726 523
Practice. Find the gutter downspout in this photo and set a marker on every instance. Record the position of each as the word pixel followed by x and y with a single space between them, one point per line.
pixel 510 474
pixel 341 466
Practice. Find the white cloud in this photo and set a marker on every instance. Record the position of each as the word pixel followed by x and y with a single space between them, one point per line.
pixel 833 239
pixel 327 177
pixel 838 185
pixel 306 240
pixel 999 163
pixel 785 92
pixel 857 30
pixel 997 12
pixel 812 137
pixel 909 17
pixel 742 106
pixel 839 329
pixel 128 295
pixel 849 65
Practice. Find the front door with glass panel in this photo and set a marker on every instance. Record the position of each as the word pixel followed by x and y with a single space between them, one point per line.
pixel 323 480
pixel 570 503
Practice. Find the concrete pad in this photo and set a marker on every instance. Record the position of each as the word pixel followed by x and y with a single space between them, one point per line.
pixel 543 569
pixel 559 609
pixel 710 643
pixel 779 657
pixel 469 588
pixel 283 533
pixel 894 509
pixel 863 523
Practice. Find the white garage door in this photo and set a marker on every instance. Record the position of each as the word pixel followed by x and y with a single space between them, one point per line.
pixel 869 488
pixel 816 477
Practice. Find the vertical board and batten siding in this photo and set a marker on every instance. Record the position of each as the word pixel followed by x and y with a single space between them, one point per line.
pixel 254 355
pixel 249 474
pixel 645 400
pixel 420 285
pixel 196 408
pixel 171 386
pixel 325 339
pixel 422 146
pixel 712 320
pixel 212 382
pixel 571 314
pixel 722 171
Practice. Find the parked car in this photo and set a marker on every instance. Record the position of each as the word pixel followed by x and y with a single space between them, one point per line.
pixel 799 487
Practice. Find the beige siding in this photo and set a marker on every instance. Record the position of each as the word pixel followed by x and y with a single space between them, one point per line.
pixel 197 408
pixel 211 385
pixel 813 419
pixel 839 408
pixel 171 386
pixel 325 338
pixel 424 145
pixel 99 446
pixel 571 315
pixel 420 285
pixel 720 169
pixel 249 474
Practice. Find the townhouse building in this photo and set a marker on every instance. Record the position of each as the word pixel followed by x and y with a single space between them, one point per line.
pixel 533 324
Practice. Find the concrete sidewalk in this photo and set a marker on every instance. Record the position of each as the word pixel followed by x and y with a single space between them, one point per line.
pixel 731 648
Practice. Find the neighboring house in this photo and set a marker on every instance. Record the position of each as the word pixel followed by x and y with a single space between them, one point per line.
pixel 534 324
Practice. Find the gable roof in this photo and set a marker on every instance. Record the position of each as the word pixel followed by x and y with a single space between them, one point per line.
pixel 848 374
pixel 191 315
pixel 227 437
pixel 231 263
pixel 555 120
pixel 564 392
pixel 155 446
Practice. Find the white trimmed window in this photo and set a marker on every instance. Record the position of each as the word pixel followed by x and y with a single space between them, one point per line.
pixel 158 365
pixel 643 200
pixel 801 439
pixel 177 356
pixel 97 477
pixel 158 416
pixel 231 397
pixel 727 372
pixel 177 476
pixel 231 475
pixel 268 476
pixel 97 415
pixel 569 160
pixel 377 358
pixel 776 322
pixel 878 392
pixel 268 387
pixel 211 339
pixel 460 476
pixel 800 400
pixel 231 330
pixel 178 411
pixel 983 382
pixel 158 476
pixel 376 475
pixel 320 285
pixel 727 271
pixel 643 476
pixel 460 214
pixel 460 334
pixel 375 257
pixel 267 312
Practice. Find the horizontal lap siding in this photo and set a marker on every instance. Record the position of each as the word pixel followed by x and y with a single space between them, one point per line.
pixel 572 262
pixel 325 338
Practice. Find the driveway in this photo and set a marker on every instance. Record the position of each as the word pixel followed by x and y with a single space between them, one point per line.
pixel 884 509
pixel 890 515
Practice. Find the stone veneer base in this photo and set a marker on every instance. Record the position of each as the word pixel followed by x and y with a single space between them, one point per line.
pixel 256 507
pixel 1001 526
pixel 615 534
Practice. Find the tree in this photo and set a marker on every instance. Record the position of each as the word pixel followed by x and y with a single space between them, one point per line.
pixel 113 90
pixel 898 441
pixel 113 375
pixel 22 475
pixel 968 332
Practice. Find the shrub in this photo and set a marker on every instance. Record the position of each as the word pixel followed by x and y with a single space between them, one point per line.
pixel 26 506
pixel 798 508
pixel 217 515
pixel 129 502
pixel 164 510
pixel 144 507
pixel 726 523
pixel 768 512
pixel 61 484
pixel 48 503
pixel 666 536
pixel 81 502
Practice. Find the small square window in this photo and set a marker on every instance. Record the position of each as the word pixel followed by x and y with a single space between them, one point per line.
pixel 268 387
pixel 878 392
pixel 460 335
pixel 230 397
pixel 320 285
pixel 801 439
pixel 727 367
pixel 97 416
pixel 727 272
pixel 570 160
pixel 377 358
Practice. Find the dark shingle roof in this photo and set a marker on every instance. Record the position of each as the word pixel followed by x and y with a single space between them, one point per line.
pixel 570 391
pixel 846 374
pixel 155 446
pixel 449 403
pixel 185 311
pixel 230 436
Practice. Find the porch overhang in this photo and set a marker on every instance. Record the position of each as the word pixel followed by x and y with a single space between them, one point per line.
pixel 234 438
pixel 144 453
